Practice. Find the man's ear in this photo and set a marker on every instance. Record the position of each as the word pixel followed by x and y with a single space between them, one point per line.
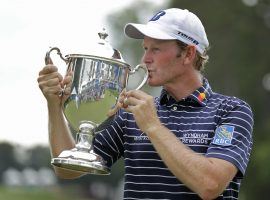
pixel 189 55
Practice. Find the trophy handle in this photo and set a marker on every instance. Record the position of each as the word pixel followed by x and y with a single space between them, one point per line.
pixel 48 59
pixel 135 69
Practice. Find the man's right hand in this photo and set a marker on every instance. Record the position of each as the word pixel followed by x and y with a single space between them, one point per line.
pixel 52 84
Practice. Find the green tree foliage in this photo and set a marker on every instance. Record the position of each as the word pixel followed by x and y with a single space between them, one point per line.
pixel 7 157
pixel 39 156
pixel 239 58
pixel 239 37
pixel 139 11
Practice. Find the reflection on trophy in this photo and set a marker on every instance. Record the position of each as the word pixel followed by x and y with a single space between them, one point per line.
pixel 97 82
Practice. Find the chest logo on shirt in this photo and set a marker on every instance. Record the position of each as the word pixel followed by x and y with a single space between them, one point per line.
pixel 223 135
pixel 142 137
pixel 195 138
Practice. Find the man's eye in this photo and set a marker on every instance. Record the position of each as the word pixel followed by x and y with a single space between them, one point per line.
pixel 155 49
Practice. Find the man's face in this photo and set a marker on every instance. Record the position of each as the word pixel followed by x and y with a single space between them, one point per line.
pixel 163 60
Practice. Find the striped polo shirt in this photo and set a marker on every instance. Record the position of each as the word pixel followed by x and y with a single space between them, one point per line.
pixel 209 123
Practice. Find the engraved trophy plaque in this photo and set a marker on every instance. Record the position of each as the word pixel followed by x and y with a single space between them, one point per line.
pixel 98 79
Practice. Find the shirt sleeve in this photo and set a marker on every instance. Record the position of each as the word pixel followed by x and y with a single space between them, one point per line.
pixel 232 139
pixel 108 142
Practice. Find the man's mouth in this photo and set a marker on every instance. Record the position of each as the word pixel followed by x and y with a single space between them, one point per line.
pixel 150 73
pixel 150 70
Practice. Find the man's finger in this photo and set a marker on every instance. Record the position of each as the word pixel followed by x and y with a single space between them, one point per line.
pixel 48 69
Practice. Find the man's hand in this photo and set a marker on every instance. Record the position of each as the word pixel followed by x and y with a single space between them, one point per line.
pixel 54 87
pixel 119 104
pixel 143 108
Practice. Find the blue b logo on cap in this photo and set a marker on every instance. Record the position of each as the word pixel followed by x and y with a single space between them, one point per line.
pixel 157 16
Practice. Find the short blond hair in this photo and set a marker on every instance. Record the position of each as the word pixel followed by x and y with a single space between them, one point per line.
pixel 200 60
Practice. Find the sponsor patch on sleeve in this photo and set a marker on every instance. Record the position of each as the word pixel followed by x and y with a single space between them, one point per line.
pixel 223 135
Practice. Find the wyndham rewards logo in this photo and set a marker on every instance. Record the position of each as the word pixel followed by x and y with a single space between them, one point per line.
pixel 223 135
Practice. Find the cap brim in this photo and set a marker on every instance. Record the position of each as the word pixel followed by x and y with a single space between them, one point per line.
pixel 138 31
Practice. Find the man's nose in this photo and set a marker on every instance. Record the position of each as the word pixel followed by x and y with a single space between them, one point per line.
pixel 147 58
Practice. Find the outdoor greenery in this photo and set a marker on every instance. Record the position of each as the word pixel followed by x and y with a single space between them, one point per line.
pixel 35 158
pixel 239 37
pixel 7 193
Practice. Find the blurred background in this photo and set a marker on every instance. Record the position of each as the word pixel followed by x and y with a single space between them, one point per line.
pixel 239 65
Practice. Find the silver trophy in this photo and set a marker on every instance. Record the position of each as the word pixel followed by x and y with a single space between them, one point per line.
pixel 98 79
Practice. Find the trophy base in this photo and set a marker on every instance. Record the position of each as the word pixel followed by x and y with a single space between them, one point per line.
pixel 75 160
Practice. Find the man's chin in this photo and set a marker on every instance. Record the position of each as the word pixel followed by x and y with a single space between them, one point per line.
pixel 152 83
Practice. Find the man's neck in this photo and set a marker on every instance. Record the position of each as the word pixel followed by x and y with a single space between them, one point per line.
pixel 186 86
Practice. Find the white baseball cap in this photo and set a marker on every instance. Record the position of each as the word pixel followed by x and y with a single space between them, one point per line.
pixel 172 24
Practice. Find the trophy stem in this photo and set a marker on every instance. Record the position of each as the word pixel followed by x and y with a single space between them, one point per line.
pixel 82 158
pixel 85 136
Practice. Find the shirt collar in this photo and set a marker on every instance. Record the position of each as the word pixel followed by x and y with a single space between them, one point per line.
pixel 199 97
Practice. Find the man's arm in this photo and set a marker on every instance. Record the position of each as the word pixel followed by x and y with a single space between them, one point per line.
pixel 208 177
pixel 60 138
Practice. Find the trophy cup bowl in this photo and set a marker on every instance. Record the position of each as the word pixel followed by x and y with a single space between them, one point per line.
pixel 97 82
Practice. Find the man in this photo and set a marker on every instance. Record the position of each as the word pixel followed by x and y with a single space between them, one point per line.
pixel 188 143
